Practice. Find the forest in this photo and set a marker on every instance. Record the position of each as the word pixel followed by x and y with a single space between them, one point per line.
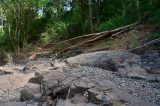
pixel 79 52
pixel 25 23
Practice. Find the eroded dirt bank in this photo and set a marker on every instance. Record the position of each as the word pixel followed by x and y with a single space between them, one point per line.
pixel 106 78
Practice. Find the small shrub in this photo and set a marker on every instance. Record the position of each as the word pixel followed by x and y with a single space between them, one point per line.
pixel 153 36
pixel 155 18
pixel 110 42
pixel 106 26
pixel 113 23
pixel 5 42
pixel 57 31
pixel 134 39
pixel 1 33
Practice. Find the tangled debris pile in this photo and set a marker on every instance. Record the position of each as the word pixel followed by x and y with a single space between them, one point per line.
pixel 106 78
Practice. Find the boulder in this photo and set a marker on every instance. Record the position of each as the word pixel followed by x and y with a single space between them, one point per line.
pixel 79 98
pixel 36 80
pixel 152 53
pixel 95 78
pixel 95 59
pixel 115 61
pixel 30 92
pixel 151 61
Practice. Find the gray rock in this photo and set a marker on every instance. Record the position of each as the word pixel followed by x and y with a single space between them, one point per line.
pixel 14 104
pixel 100 59
pixel 151 79
pixel 26 95
pixel 95 78
pixel 136 76
pixel 104 100
pixel 158 79
pixel 151 61
pixel 79 98
pixel 30 92
pixel 36 79
pixel 50 83
pixel 116 61
pixel 152 53
pixel 156 85
pixel 69 103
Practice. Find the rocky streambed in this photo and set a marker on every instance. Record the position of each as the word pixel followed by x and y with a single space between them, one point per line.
pixel 106 78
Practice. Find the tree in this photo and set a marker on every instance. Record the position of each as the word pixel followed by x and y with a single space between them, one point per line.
pixel 20 15
pixel 90 15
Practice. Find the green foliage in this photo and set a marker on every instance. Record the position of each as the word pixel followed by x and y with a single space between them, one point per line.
pixel 112 23
pixel 1 33
pixel 85 26
pixel 57 31
pixel 153 36
pixel 3 57
pixel 5 43
pixel 23 24
pixel 20 15
pixel 110 42
pixel 156 17
pixel 134 39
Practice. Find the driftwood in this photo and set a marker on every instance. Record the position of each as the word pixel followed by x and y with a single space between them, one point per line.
pixel 87 39
pixel 90 38
pixel 145 44
pixel 109 34
pixel 100 36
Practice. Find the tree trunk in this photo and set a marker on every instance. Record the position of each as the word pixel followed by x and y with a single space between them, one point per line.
pixel 90 15
pixel 98 11
pixel 150 2
pixel 138 9
pixel 124 8
pixel 81 14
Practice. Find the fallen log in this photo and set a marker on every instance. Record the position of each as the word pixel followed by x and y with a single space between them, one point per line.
pixel 108 34
pixel 116 35
pixel 73 41
pixel 145 44
pixel 101 34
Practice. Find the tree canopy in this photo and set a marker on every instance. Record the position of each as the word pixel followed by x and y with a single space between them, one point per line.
pixel 30 21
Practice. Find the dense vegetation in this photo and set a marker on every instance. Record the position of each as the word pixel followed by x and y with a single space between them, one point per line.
pixel 26 22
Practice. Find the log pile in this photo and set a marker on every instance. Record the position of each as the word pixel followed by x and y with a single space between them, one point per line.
pixel 94 37
pixel 89 39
